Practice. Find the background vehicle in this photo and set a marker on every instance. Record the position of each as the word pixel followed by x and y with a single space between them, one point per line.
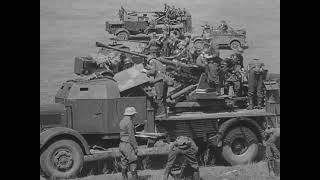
pixel 233 38
pixel 134 23
pixel 86 115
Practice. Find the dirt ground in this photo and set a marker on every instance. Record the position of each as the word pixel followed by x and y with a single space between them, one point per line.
pixel 246 172
pixel 70 28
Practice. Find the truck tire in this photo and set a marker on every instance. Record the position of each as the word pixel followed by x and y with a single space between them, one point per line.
pixel 234 45
pixel 62 159
pixel 240 146
pixel 122 36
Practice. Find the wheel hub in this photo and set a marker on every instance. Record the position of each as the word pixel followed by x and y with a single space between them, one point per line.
pixel 239 146
pixel 63 160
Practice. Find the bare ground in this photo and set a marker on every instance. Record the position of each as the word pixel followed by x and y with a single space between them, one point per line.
pixel 245 172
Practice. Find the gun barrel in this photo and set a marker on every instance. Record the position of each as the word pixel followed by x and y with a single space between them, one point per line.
pixel 162 60
pixel 99 44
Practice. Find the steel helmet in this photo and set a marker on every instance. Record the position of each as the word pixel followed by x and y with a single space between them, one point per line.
pixel 129 111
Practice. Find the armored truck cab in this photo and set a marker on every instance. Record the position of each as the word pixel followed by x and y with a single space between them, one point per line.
pixel 85 113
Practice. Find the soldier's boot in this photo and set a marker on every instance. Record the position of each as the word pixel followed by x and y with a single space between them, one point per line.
pixel 250 103
pixel 124 173
pixel 259 104
pixel 196 175
pixel 134 175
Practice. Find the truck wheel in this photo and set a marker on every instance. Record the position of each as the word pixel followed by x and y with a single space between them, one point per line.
pixel 240 146
pixel 62 159
pixel 235 45
pixel 122 36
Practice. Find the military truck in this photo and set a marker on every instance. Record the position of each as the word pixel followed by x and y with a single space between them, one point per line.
pixel 144 22
pixel 232 38
pixel 86 114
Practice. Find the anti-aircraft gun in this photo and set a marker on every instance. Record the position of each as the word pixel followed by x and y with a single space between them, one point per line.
pixel 189 89
pixel 185 77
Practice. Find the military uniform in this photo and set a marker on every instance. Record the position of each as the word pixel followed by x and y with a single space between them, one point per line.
pixel 211 61
pixel 256 75
pixel 272 152
pixel 165 45
pixel 183 146
pixel 128 145
pixel 154 46
pixel 173 42
pixel 157 70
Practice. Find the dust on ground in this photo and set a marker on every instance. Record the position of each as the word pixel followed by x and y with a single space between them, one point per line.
pixel 256 171
pixel 70 28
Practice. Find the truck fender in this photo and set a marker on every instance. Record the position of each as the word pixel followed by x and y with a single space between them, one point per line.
pixel 48 135
pixel 217 139
pixel 121 30
pixel 235 39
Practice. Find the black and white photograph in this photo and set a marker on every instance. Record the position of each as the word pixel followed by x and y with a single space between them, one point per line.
pixel 160 89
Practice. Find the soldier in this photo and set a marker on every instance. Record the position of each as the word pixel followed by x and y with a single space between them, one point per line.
pixel 272 153
pixel 154 45
pixel 128 146
pixel 211 61
pixel 127 63
pixel 239 57
pixel 223 27
pixel 256 74
pixel 157 70
pixel 165 43
pixel 185 147
pixel 213 71
pixel 173 42
pixel 184 48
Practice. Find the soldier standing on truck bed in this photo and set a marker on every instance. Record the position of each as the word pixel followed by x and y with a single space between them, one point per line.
pixel 128 146
pixel 154 45
pixel 211 61
pixel 158 70
pixel 256 75
pixel 185 147
pixel 165 51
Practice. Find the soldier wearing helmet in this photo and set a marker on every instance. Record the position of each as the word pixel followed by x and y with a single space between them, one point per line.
pixel 165 43
pixel 154 45
pixel 210 60
pixel 223 27
pixel 185 147
pixel 128 146
pixel 157 70
pixel 127 63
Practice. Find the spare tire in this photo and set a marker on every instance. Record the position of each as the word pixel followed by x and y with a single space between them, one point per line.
pixel 240 146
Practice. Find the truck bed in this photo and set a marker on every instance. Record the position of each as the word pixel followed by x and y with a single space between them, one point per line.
pixel 203 115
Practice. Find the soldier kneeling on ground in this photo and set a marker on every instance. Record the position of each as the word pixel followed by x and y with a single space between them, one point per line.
pixel 185 147
pixel 272 153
